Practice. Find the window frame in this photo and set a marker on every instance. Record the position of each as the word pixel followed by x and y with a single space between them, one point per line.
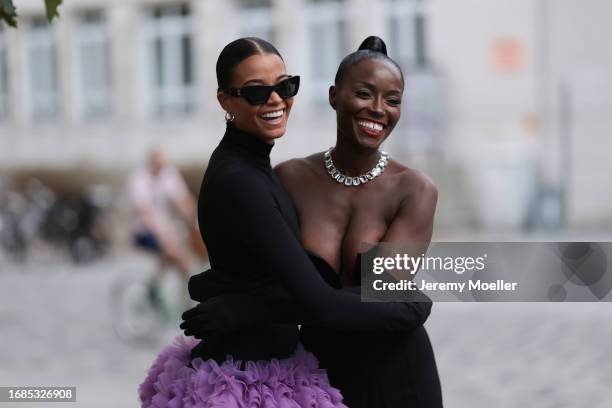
pixel 322 13
pixel 170 81
pixel 41 35
pixel 411 36
pixel 257 20
pixel 94 34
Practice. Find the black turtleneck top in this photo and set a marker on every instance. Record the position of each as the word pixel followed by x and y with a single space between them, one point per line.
pixel 251 230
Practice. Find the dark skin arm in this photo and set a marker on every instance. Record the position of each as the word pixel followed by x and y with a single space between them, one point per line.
pixel 413 225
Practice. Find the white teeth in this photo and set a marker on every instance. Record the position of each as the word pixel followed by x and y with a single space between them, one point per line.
pixel 371 125
pixel 272 115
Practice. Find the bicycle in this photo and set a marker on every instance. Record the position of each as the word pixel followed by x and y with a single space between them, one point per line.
pixel 142 310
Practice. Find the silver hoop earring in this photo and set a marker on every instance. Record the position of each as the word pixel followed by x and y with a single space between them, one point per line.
pixel 229 117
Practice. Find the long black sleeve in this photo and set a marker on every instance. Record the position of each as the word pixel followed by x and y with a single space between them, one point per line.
pixel 272 304
pixel 247 208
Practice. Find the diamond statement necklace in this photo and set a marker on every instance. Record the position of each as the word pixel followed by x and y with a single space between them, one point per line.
pixel 348 181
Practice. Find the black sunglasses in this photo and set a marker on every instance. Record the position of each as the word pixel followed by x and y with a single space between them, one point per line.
pixel 259 94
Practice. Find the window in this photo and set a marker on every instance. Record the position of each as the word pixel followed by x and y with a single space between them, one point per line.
pixel 170 58
pixel 94 65
pixel 4 91
pixel 406 32
pixel 256 19
pixel 326 27
pixel 43 71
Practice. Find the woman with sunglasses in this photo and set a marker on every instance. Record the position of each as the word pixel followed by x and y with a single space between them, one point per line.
pixel 251 229
pixel 340 205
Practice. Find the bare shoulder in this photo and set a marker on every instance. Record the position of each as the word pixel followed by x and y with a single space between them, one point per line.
pixel 287 168
pixel 298 168
pixel 414 183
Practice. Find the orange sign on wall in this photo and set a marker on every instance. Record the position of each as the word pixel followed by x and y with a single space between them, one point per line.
pixel 508 55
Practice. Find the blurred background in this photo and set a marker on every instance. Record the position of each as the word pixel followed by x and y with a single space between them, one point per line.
pixel 507 107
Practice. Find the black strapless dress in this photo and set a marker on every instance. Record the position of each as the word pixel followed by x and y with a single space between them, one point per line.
pixel 375 369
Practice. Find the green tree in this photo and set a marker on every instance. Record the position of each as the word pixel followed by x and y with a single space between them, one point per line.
pixel 8 11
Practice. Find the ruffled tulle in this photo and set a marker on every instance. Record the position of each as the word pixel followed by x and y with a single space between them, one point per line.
pixel 284 383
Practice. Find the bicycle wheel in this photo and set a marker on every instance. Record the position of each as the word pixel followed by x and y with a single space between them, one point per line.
pixel 136 317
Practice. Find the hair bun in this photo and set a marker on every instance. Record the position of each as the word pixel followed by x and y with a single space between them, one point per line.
pixel 375 44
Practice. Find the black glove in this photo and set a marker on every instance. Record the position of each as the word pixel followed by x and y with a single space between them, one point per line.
pixel 224 314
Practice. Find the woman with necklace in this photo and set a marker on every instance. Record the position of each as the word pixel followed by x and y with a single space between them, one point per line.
pixel 251 230
pixel 350 194
pixel 395 205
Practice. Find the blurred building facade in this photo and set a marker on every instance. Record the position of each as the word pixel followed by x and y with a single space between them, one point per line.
pixel 505 103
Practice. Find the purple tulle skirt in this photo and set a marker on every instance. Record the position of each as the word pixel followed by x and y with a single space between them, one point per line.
pixel 291 382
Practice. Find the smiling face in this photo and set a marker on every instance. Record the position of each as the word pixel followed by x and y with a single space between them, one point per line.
pixel 269 120
pixel 368 102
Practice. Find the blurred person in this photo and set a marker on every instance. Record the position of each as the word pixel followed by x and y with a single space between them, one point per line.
pixel 369 200
pixel 251 229
pixel 154 190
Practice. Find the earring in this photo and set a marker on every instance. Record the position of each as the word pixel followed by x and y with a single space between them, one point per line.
pixel 229 117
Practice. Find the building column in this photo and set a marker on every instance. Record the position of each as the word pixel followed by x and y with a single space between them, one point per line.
pixel 215 25
pixel 127 71
pixel 290 21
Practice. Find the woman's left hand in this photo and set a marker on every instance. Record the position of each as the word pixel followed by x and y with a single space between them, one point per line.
pixel 222 315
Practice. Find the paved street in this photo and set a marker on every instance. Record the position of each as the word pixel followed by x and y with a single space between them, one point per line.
pixel 56 330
